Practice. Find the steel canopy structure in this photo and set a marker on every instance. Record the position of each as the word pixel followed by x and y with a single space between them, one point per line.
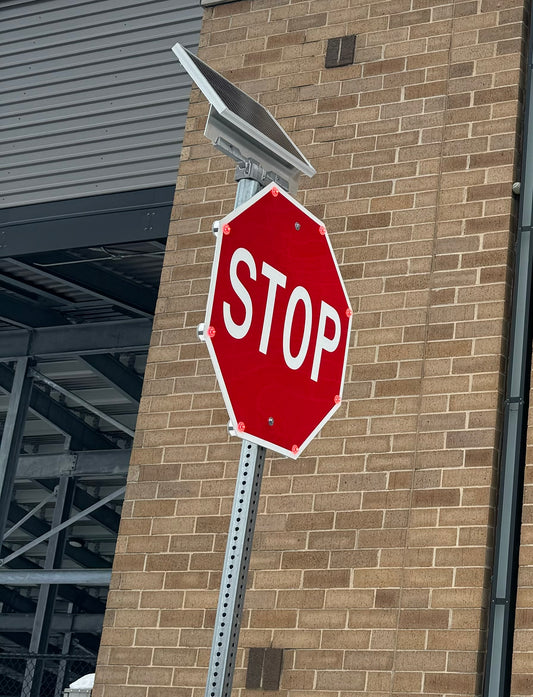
pixel 75 326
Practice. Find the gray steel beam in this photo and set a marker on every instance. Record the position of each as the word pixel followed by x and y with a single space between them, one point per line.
pixel 82 464
pixel 40 466
pixel 34 577
pixel 104 515
pixel 31 513
pixel 62 418
pixel 20 388
pixel 121 226
pixel 79 598
pixel 102 462
pixel 29 290
pixel 122 379
pixel 82 435
pixel 82 402
pixel 23 313
pixel 60 623
pixel 19 603
pixel 96 281
pixel 77 339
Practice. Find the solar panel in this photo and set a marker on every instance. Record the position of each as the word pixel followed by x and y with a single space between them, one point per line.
pixel 242 112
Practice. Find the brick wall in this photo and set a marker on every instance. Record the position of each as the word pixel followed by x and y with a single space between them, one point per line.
pixel 372 553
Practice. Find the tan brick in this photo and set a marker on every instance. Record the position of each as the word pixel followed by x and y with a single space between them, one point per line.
pixel 326 579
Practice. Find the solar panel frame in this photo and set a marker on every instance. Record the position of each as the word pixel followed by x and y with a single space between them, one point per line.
pixel 245 114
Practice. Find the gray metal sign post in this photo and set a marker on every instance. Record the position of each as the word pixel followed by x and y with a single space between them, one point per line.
pixel 239 543
pixel 243 129
pixel 235 571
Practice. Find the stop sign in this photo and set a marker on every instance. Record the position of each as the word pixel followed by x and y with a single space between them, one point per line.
pixel 278 322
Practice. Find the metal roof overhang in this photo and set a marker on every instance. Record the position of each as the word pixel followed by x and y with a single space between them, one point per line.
pixel 78 286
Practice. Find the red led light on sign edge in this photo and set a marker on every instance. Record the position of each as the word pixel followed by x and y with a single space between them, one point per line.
pixel 337 399
pixel 226 229
pixel 274 191
pixel 321 229
pixel 295 449
pixel 241 426
pixel 349 313
pixel 211 331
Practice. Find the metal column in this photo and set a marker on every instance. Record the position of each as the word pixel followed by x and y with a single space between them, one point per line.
pixel 238 546
pixel 62 669
pixel 12 437
pixel 47 593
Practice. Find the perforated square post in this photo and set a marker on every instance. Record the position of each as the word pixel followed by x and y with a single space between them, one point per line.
pixel 235 571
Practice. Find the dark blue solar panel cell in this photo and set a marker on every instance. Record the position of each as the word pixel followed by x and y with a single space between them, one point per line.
pixel 245 107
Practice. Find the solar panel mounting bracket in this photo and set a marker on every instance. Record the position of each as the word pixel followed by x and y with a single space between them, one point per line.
pixel 235 144
pixel 248 168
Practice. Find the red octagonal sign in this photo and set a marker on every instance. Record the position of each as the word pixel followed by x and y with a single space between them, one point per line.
pixel 278 322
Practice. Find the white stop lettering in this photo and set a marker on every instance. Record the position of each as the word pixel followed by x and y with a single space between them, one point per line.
pixel 299 294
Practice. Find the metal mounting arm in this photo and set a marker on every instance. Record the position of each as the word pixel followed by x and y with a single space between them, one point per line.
pixel 248 168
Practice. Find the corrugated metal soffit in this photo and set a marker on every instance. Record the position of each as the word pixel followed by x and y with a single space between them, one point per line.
pixel 93 100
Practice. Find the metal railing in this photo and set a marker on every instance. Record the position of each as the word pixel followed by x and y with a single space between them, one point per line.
pixel 58 672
